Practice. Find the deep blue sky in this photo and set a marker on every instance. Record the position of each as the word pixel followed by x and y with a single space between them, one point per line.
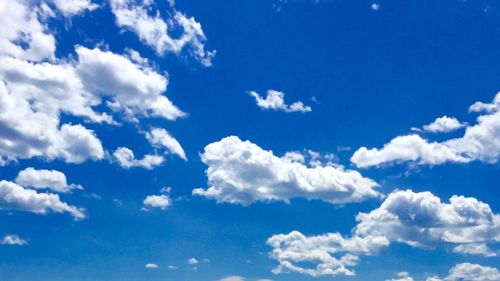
pixel 374 74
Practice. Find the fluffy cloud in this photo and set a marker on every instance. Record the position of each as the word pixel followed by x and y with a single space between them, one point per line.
pixel 472 272
pixel 275 100
pixel 417 219
pixel 161 138
pixel 51 179
pixel 13 240
pixel 158 201
pixel 126 159
pixel 156 32
pixel 241 172
pixel 192 261
pixel 475 249
pixel 480 142
pixel 16 197
pixel 443 125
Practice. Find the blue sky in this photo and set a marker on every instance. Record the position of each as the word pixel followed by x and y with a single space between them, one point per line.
pixel 249 140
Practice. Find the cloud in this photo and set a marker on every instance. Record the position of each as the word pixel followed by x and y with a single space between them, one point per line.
pixel 472 272
pixel 416 219
pixel 192 261
pixel 375 6
pixel 50 179
pixel 275 100
pixel 159 137
pixel 13 240
pixel 74 7
pixel 151 266
pixel 155 32
pixel 233 278
pixel 158 201
pixel 16 197
pixel 126 159
pixel 240 172
pixel 443 125
pixel 479 143
pixel 402 276
pixel 475 249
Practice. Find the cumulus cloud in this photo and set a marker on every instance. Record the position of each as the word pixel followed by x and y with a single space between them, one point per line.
pixel 275 100
pixel 416 219
pixel 157 33
pixel 240 172
pixel 126 159
pixel 192 261
pixel 158 201
pixel 151 266
pixel 13 239
pixel 16 197
pixel 160 138
pixel 475 249
pixel 480 142
pixel 233 278
pixel 472 272
pixel 50 179
pixel 443 125
pixel 375 6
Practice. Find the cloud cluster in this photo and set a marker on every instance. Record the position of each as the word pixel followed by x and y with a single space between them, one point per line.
pixel 157 33
pixel 275 100
pixel 240 172
pixel 418 219
pixel 460 272
pixel 480 142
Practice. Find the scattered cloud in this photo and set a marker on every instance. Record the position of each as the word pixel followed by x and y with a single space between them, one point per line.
pixel 13 239
pixel 156 32
pixel 50 179
pixel 375 6
pixel 192 261
pixel 240 172
pixel 160 138
pixel 151 266
pixel 443 125
pixel 74 7
pixel 275 100
pixel 416 219
pixel 480 142
pixel 402 276
pixel 158 201
pixel 126 159
pixel 16 197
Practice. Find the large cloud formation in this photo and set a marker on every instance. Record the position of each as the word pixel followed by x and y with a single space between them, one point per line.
pixel 36 88
pixel 418 219
pixel 241 172
pixel 480 142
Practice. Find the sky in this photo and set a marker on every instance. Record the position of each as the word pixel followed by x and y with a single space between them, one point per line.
pixel 249 140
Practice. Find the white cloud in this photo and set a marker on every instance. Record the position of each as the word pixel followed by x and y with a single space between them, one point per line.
pixel 159 137
pixel 16 197
pixel 51 179
pixel 275 100
pixel 192 261
pixel 480 142
pixel 158 201
pixel 126 159
pixel 472 272
pixel 233 278
pixel 19 22
pixel 417 219
pixel 155 32
pixel 13 240
pixel 443 125
pixel 74 7
pixel 151 266
pixel 402 276
pixel 375 6
pixel 475 249
pixel 134 88
pixel 241 172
